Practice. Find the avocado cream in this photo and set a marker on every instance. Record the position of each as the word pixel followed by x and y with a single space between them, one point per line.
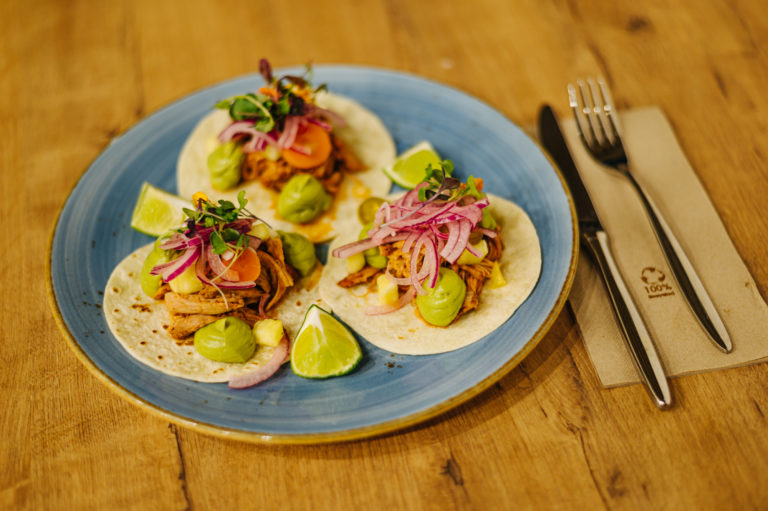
pixel 224 164
pixel 299 252
pixel 442 303
pixel 226 340
pixel 302 199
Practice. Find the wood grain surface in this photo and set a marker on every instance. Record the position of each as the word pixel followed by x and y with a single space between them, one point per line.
pixel 73 74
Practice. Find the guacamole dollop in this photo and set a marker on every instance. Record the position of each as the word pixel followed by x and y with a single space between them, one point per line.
pixel 442 303
pixel 303 199
pixel 299 252
pixel 224 164
pixel 226 340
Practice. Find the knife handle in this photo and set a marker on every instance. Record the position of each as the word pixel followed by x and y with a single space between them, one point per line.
pixel 632 325
pixel 690 284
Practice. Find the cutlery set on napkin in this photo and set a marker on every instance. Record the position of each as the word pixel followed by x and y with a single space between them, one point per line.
pixel 677 287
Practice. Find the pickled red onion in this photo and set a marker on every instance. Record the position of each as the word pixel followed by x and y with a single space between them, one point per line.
pixel 437 227
pixel 263 372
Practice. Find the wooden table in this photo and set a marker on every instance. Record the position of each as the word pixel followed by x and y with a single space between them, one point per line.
pixel 75 74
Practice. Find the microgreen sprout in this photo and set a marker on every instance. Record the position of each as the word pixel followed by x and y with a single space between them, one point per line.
pixel 219 216
pixel 282 97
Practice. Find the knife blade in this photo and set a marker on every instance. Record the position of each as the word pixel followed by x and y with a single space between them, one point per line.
pixel 594 237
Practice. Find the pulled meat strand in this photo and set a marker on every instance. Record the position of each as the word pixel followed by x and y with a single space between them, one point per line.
pixel 474 276
pixel 367 274
pixel 495 247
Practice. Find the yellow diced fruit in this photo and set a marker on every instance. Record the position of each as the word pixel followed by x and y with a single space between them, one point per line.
pixel 268 332
pixel 496 279
pixel 355 262
pixel 260 231
pixel 387 290
pixel 467 257
pixel 272 153
pixel 187 282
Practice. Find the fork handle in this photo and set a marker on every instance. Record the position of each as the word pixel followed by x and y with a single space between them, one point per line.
pixel 690 283
pixel 633 328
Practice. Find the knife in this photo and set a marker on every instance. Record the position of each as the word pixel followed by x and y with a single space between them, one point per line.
pixel 593 236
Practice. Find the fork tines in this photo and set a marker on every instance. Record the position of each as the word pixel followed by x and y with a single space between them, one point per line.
pixel 595 116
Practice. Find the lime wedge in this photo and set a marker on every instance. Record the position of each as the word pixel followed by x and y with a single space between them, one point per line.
pixel 157 211
pixel 366 211
pixel 323 347
pixel 408 169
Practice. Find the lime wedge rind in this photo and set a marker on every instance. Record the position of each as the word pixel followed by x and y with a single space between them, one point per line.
pixel 324 347
pixel 402 172
pixel 157 211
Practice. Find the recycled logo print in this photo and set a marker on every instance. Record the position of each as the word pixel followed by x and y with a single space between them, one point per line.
pixel 655 282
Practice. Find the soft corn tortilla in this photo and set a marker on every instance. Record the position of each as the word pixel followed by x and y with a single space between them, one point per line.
pixel 403 331
pixel 139 323
pixel 364 133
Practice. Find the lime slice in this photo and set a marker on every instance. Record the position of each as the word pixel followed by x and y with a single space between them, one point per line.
pixel 366 211
pixel 157 211
pixel 323 347
pixel 408 169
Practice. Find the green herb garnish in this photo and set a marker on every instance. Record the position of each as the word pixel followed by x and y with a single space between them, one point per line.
pixel 447 188
pixel 219 215
pixel 283 96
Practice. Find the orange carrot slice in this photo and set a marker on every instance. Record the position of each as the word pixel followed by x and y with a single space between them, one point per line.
pixel 317 141
pixel 247 265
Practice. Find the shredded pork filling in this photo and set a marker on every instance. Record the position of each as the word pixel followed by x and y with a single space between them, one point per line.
pixel 190 312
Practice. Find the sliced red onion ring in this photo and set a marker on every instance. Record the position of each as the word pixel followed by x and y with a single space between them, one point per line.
pixel 290 130
pixel 354 248
pixel 264 371
pixel 173 269
pixel 237 128
pixel 318 122
pixel 334 118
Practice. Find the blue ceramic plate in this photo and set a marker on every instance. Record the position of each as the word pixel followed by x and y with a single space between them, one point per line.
pixel 386 392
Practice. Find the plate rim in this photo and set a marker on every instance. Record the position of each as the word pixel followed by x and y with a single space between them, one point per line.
pixel 374 430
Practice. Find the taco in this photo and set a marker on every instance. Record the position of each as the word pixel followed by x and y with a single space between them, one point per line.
pixel 306 154
pixel 460 262
pixel 174 305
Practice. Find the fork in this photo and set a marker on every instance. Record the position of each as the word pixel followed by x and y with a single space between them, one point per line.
pixel 600 132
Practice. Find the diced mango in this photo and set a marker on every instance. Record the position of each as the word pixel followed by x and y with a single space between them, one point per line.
pixel 187 282
pixel 467 257
pixel 355 262
pixel 260 231
pixel 496 279
pixel 268 332
pixel 387 290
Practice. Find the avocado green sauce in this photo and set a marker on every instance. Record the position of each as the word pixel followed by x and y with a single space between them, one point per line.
pixel 224 164
pixel 151 283
pixel 442 303
pixel 302 199
pixel 299 252
pixel 226 340
pixel 373 256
